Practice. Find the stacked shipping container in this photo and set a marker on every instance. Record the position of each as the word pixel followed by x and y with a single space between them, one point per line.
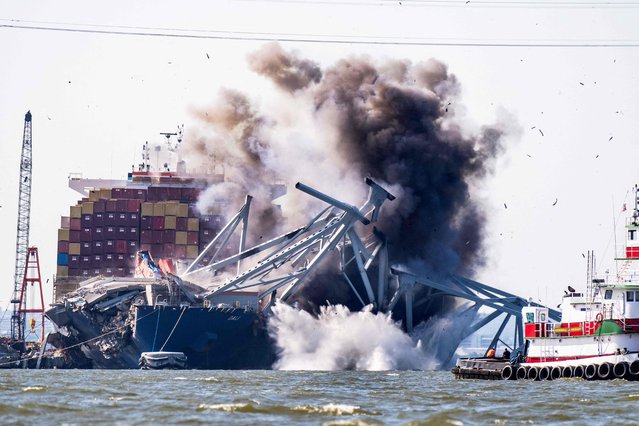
pixel 102 233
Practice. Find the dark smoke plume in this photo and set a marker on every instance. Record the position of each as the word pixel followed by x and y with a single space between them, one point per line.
pixel 393 121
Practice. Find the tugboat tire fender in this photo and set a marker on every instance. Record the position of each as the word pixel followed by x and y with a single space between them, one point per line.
pixel 604 372
pixel 620 370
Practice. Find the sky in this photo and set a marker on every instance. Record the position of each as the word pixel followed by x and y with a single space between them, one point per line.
pixel 562 74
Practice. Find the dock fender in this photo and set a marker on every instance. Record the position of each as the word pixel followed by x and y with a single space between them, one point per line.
pixel 633 368
pixel 555 373
pixel 604 372
pixel 620 369
pixel 567 371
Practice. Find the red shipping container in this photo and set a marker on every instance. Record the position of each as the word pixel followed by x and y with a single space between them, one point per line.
pixel 120 246
pixel 145 222
pixel 86 248
pixel 152 194
pixel 158 237
pixel 63 247
pixel 133 205
pixel 127 193
pixel 86 235
pixel 139 194
pixel 168 237
pixel 168 249
pixel 173 194
pixel 192 238
pixel 146 236
pixel 181 223
pixel 157 251
pixel 98 219
pixel 74 236
pixel 121 272
pixel 179 251
pixel 108 271
pixel 97 247
pixel 117 192
pixel 157 223
pixel 99 206
pixel 111 205
pixel 75 224
pixel 145 247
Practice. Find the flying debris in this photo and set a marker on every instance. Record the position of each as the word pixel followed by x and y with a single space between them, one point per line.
pixel 207 56
pixel 581 83
pixel 542 133
pixel 610 139
pixel 530 156
pixel 583 255
pixel 555 203
pixel 570 289
pixel 597 156
pixel 505 206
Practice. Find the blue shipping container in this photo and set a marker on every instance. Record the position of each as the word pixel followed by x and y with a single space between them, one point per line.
pixel 63 259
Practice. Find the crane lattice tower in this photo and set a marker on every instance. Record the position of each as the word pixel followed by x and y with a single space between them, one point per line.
pixel 22 238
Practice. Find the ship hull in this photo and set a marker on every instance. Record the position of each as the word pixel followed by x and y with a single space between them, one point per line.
pixel 211 338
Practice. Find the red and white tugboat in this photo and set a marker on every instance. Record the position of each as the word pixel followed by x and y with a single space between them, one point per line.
pixel 597 337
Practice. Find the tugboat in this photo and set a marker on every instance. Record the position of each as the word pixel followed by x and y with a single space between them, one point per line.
pixel 597 337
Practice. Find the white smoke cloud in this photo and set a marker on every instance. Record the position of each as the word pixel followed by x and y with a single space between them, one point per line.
pixel 343 340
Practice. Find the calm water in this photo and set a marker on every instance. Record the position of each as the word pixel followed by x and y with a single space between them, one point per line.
pixel 281 397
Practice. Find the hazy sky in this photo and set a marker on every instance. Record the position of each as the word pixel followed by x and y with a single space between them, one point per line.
pixel 573 104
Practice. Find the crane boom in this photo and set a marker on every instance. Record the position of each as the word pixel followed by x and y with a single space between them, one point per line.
pixel 22 237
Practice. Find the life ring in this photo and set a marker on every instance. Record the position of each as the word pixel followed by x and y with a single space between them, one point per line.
pixel 599 317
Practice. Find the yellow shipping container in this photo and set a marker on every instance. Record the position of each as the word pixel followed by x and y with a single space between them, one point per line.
pixel 192 252
pixel 63 271
pixel 87 207
pixel 94 195
pixel 171 208
pixel 169 222
pixel 105 193
pixel 63 234
pixel 158 209
pixel 147 209
pixel 76 211
pixel 180 237
pixel 74 248
pixel 193 224
pixel 183 210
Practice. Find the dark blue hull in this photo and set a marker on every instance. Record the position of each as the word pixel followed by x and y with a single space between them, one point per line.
pixel 211 338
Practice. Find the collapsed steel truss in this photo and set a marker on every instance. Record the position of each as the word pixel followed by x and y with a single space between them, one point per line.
pixel 283 263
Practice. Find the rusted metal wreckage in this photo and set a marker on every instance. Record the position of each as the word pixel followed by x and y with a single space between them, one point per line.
pixel 110 322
